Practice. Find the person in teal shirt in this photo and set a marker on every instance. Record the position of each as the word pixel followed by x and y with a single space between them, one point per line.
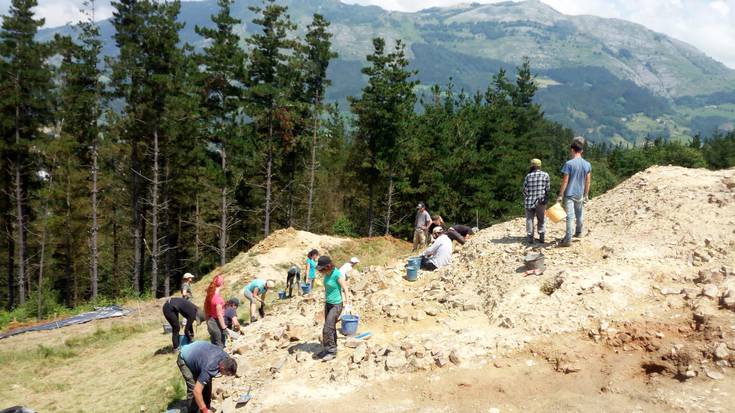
pixel 335 293
pixel 311 258
pixel 255 291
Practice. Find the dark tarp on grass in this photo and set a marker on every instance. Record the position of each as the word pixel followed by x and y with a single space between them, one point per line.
pixel 98 314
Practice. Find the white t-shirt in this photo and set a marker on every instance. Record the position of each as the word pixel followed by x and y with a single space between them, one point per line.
pixel 345 269
pixel 440 251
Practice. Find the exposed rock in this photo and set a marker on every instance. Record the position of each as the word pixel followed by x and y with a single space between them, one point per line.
pixel 352 342
pixel 455 358
pixel 395 361
pixel 431 311
pixel 721 351
pixel 710 291
pixel 714 375
pixel 423 363
pixel 360 353
pixel 441 361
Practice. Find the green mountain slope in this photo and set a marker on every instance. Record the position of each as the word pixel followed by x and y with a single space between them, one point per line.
pixel 606 78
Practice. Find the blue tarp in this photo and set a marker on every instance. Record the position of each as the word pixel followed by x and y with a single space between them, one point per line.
pixel 98 314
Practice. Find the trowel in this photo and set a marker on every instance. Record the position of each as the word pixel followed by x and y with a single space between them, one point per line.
pixel 244 398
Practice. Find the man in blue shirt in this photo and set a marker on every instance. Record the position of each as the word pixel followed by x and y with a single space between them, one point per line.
pixel 575 189
pixel 200 362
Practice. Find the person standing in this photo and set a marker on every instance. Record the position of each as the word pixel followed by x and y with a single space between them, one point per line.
pixel 215 313
pixel 536 187
pixel 199 363
pixel 255 291
pixel 336 294
pixel 175 307
pixel 348 266
pixel 439 252
pixel 186 286
pixel 575 190
pixel 293 274
pixel 421 227
pixel 311 258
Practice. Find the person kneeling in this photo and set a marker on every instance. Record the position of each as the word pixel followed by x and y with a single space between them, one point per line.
pixel 200 362
pixel 439 252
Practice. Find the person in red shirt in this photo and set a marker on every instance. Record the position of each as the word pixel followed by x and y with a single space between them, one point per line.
pixel 214 309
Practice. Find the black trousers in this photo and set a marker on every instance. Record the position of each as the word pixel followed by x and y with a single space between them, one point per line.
pixel 173 318
pixel 329 333
pixel 290 278
pixel 426 265
pixel 190 383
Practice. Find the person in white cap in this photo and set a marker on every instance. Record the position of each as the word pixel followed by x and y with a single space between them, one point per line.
pixel 348 266
pixel 439 252
pixel 186 286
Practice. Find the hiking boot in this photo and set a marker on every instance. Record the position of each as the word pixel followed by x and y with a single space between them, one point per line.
pixel 578 235
pixel 329 357
pixel 565 243
pixel 530 239
pixel 320 354
pixel 541 238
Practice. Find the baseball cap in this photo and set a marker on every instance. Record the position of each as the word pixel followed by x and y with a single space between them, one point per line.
pixel 188 275
pixel 323 261
pixel 438 229
pixel 354 260
pixel 234 300
pixel 420 205
pixel 536 162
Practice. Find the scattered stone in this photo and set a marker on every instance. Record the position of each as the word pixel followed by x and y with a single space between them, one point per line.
pixel 710 291
pixel 352 342
pixel 242 350
pixel 423 363
pixel 671 291
pixel 360 353
pixel 441 361
pixel 431 312
pixel 455 358
pixel 714 375
pixel 395 361
pixel 493 410
pixel 418 316
pixel 721 351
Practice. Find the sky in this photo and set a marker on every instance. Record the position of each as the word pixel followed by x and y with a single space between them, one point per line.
pixel 709 25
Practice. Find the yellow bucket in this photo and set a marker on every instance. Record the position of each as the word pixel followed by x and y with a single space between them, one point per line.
pixel 556 213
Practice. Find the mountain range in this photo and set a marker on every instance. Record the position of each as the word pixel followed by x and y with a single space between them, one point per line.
pixel 608 79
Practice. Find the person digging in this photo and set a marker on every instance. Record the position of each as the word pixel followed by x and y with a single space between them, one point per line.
pixel 336 293
pixel 200 362
pixel 255 292
pixel 178 306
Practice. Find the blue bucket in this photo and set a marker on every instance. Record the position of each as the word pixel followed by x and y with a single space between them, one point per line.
pixel 306 288
pixel 414 262
pixel 349 324
pixel 411 273
pixel 281 295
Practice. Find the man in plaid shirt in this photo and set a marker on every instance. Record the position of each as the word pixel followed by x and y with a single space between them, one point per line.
pixel 535 192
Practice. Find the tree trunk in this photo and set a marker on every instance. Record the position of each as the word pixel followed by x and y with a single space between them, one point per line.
pixel 137 222
pixel 42 263
pixel 69 262
pixel 11 268
pixel 223 208
pixel 371 192
pixel 20 230
pixel 94 254
pixel 390 200
pixel 154 217
pixel 312 167
pixel 197 239
pixel 268 176
pixel 115 250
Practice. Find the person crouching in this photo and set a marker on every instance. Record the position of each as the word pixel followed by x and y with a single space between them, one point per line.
pixel 439 252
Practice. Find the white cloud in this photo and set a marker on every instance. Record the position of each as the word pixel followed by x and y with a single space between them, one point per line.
pixel 707 24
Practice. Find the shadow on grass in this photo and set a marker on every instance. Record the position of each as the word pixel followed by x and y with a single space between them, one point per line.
pixel 164 350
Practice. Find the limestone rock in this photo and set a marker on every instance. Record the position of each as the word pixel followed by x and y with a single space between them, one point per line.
pixel 710 291
pixel 455 358
pixel 360 353
pixel 423 363
pixel 721 351
pixel 395 361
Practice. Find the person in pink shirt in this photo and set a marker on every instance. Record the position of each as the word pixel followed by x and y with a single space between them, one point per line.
pixel 214 309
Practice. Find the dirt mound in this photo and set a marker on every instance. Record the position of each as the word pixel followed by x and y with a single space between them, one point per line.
pixel 652 277
pixel 271 258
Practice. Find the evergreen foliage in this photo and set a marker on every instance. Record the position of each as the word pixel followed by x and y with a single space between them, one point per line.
pixel 120 176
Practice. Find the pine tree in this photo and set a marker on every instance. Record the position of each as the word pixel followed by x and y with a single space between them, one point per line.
pixel 25 83
pixel 269 81
pixel 382 112
pixel 318 53
pixel 222 90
